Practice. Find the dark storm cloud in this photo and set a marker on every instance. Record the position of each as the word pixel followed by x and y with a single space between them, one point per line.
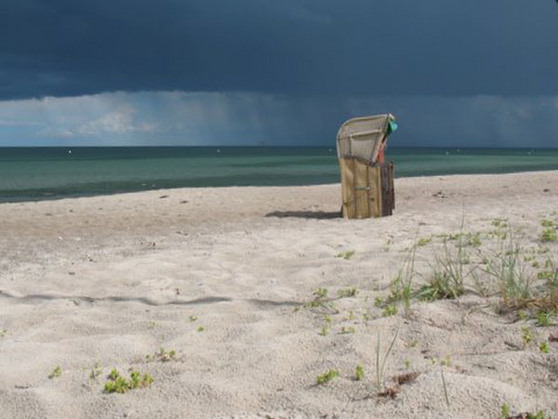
pixel 307 47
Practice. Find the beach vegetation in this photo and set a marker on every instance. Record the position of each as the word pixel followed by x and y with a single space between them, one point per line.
pixel 507 414
pixel 412 343
pixel 96 371
pixel 347 255
pixel 544 347
pixel 117 383
pixel 550 275
pixel 345 330
pixel 388 244
pixel 3 332
pixel 526 335
pixel 547 223
pixel 351 316
pixel 320 293
pixel 381 361
pixel 327 376
pixel 321 301
pixel 347 292
pixel 161 356
pixel 324 331
pixel 57 372
pixel 505 410
pixel 423 241
pixel 359 373
pixel 515 281
pixel 390 310
pixel 447 280
pixel 500 222
pixel 522 315
pixel 445 387
pixel 549 234
pixel 201 329
pixel 544 318
pixel 407 364
pixel 193 318
pixel 402 284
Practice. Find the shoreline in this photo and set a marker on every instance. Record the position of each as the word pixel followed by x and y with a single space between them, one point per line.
pixel 227 279
pixel 78 196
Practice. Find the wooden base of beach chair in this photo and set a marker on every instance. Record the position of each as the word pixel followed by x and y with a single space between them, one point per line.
pixel 367 190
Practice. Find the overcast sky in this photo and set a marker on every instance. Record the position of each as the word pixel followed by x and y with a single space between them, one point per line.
pixel 280 72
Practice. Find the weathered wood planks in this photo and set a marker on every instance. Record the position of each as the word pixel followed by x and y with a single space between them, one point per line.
pixel 367 190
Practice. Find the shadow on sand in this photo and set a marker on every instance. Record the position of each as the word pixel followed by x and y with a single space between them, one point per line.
pixel 318 215
pixel 85 299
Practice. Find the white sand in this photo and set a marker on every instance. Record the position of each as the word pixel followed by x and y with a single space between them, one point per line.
pixel 112 279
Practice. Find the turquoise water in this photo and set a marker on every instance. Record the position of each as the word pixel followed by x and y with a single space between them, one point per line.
pixel 47 173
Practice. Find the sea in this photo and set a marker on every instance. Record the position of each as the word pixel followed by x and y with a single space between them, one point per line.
pixel 39 173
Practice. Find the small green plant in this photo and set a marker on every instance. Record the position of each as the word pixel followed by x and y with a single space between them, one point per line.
pixel 544 347
pixel 506 414
pixel 193 318
pixel 423 241
pixel 119 384
pixel 547 223
pixel 543 318
pixel 548 275
pixel 320 293
pixel 505 411
pixel 378 302
pixel 446 362
pixel 114 374
pixel 499 222
pixel 475 240
pixel 346 255
pixel 401 286
pixel 327 376
pixel 527 335
pixel 522 315
pixel 324 331
pixel 347 330
pixel 151 324
pixel 444 385
pixel 201 329
pixel 407 364
pixel 549 234
pixel 96 371
pixel 57 372
pixel 321 301
pixel 387 246
pixel 347 292
pixel 161 356
pixel 359 372
pixel 390 310
pixel 380 365
pixel 511 273
pixel 449 273
pixel 351 316
pixel 3 333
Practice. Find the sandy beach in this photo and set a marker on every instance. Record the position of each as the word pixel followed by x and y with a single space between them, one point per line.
pixel 236 300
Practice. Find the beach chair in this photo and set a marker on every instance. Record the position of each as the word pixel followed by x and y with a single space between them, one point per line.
pixel 366 180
